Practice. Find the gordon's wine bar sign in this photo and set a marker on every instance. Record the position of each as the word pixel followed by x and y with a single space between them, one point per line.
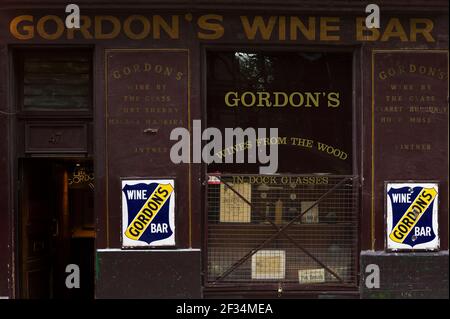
pixel 215 26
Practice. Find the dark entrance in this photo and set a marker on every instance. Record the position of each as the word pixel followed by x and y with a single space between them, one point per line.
pixel 56 227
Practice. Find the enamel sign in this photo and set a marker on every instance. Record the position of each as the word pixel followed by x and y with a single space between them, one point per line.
pixel 148 213
pixel 412 216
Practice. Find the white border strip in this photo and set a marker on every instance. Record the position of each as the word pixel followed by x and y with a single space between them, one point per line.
pixel 148 250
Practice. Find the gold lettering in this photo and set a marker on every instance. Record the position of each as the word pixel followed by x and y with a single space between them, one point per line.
pixel 145 27
pixel 245 101
pixel 425 31
pixel 27 30
pixel 235 99
pixel 258 25
pixel 41 27
pixel 264 96
pixel 361 31
pixel 394 29
pixel 277 101
pixel 281 99
pixel 85 24
pixel 99 34
pixel 309 33
pixel 216 29
pixel 333 99
pixel 325 27
pixel 282 28
pixel 300 98
pixel 172 31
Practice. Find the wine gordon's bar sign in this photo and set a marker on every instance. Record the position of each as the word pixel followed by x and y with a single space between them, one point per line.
pixel 214 26
pixel 412 216
pixel 148 213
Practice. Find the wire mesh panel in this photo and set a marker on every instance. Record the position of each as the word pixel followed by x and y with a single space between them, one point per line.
pixel 290 228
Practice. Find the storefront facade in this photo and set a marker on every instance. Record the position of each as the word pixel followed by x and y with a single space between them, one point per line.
pixel 88 114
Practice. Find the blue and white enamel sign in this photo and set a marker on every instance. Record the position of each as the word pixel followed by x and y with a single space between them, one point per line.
pixel 412 216
pixel 148 212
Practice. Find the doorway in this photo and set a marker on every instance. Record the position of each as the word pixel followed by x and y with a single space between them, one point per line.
pixel 56 228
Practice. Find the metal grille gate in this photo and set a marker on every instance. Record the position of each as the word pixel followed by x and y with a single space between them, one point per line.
pixel 298 229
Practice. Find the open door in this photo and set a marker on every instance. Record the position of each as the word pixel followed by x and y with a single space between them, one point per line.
pixel 55 228
pixel 38 226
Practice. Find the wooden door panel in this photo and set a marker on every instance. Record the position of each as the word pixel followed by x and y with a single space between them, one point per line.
pixel 37 228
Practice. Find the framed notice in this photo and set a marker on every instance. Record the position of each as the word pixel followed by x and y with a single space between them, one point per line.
pixel 312 216
pixel 233 209
pixel 268 264
pixel 311 276
pixel 148 212
pixel 412 215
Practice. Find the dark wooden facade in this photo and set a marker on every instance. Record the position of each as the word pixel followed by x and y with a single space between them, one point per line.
pixel 374 161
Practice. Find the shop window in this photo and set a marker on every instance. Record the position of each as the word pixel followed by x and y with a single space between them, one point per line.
pixel 56 80
pixel 296 228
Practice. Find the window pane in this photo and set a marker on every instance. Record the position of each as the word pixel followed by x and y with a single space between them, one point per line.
pixel 298 227
pixel 56 81
pixel 307 96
